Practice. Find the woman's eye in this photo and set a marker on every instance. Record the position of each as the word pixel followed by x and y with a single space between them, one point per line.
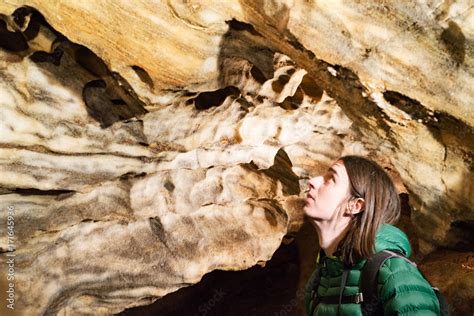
pixel 328 177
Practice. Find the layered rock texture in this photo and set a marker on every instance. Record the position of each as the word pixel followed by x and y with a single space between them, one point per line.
pixel 144 144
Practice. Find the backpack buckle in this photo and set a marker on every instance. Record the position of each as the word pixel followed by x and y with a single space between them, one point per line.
pixel 359 298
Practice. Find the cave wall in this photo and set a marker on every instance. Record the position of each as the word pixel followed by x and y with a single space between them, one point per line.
pixel 145 144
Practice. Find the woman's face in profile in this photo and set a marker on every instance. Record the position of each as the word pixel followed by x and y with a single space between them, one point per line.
pixel 327 193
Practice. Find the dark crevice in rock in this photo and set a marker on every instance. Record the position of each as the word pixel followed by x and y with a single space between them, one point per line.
pixel 311 89
pixel 21 17
pixel 169 186
pixel 447 122
pixel 159 231
pixel 467 225
pixel 242 26
pixel 44 57
pixel 463 232
pixel 455 42
pixel 28 21
pixel 104 103
pixel 279 84
pixel 257 74
pixel 90 61
pixel 242 41
pixel 445 128
pixel 258 290
pixel 293 41
pixel 32 191
pixel 296 44
pixel 293 102
pixel 118 102
pixel 291 71
pixel 410 106
pixel 109 98
pixel 11 41
pixel 405 223
pixel 89 220
pixel 130 175
pixel 345 88
pixel 281 170
pixel 189 93
pixel 124 90
pixel 244 106
pixel 206 100
pixel 144 76
pixel 404 204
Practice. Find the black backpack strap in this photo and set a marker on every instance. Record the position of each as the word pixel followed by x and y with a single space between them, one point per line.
pixel 344 277
pixel 371 305
pixel 346 299
pixel 444 308
pixel 315 284
pixel 316 279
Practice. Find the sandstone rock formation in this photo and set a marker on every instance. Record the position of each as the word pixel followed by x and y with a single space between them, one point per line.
pixel 147 143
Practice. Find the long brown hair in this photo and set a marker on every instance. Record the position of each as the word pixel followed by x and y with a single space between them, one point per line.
pixel 382 205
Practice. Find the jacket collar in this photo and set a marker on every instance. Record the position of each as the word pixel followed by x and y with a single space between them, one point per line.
pixel 388 237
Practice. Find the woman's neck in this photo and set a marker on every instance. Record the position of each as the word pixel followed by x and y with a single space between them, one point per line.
pixel 330 234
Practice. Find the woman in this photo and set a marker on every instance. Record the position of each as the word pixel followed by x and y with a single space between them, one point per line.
pixel 351 208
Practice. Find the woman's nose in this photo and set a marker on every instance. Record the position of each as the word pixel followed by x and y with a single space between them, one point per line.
pixel 315 182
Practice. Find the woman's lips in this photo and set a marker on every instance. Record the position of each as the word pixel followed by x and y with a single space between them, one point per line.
pixel 308 196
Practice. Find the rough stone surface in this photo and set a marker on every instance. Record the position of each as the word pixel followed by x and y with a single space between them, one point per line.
pixel 453 272
pixel 144 144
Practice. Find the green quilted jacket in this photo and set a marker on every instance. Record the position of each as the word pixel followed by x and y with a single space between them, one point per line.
pixel 401 287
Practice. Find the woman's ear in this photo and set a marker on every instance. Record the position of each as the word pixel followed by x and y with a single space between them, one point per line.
pixel 356 206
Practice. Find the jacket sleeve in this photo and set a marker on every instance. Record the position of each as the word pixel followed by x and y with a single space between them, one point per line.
pixel 404 291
